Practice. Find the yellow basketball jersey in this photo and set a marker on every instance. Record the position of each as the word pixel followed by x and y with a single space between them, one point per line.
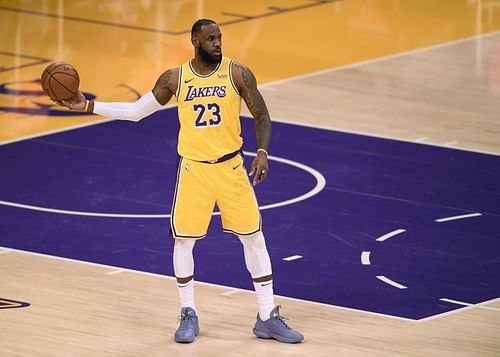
pixel 209 113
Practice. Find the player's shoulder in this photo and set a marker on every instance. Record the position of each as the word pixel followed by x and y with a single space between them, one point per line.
pixel 171 75
pixel 237 67
pixel 240 69
pixel 169 79
pixel 166 85
pixel 242 76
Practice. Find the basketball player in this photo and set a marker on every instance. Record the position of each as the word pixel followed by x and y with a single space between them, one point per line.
pixel 209 89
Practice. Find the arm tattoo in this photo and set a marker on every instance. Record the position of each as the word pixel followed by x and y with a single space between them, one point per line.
pixel 165 78
pixel 163 87
pixel 257 107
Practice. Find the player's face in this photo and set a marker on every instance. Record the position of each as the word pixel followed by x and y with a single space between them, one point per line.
pixel 209 42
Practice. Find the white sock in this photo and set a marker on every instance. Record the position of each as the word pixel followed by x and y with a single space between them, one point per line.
pixel 265 298
pixel 184 268
pixel 186 294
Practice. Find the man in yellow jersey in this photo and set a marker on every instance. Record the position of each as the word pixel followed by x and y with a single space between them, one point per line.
pixel 209 89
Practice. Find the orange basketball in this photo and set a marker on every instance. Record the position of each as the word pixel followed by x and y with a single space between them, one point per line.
pixel 60 81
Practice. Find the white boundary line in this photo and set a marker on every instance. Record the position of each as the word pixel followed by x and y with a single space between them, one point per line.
pixel 232 289
pixel 460 310
pixel 61 130
pixel 479 306
pixel 372 61
pixel 311 74
pixel 388 137
pixel 55 131
pixel 380 59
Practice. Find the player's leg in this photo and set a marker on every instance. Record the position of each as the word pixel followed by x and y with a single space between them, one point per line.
pixel 193 201
pixel 258 265
pixel 270 324
pixel 240 215
pixel 192 209
pixel 184 272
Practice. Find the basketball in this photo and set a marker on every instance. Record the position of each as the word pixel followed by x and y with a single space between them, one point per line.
pixel 60 81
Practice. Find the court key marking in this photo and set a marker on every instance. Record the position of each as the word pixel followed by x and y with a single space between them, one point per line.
pixel 365 255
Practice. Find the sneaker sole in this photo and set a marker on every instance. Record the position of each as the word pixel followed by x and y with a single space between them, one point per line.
pixel 264 335
pixel 178 340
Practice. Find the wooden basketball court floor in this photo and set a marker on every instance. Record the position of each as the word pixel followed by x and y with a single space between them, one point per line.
pixel 417 71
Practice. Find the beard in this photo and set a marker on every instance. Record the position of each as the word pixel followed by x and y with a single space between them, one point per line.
pixel 207 57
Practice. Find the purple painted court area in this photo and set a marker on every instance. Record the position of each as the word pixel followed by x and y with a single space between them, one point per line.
pixel 373 187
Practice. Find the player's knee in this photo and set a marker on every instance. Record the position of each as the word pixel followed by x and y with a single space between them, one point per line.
pixel 255 243
pixel 184 244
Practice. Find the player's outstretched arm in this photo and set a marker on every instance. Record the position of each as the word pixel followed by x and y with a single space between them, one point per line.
pixel 147 104
pixel 247 86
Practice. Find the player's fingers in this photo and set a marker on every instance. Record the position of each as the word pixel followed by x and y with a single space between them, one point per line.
pixel 252 168
pixel 261 176
pixel 65 103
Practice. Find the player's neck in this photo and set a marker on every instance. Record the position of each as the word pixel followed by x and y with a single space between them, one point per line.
pixel 202 67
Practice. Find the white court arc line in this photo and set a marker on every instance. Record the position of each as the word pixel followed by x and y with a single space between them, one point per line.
pixel 454 218
pixel 391 282
pixel 390 235
pixel 320 185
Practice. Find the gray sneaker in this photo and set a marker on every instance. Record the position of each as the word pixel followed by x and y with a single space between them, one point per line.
pixel 188 328
pixel 276 327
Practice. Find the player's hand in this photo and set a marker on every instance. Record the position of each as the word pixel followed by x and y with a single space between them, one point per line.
pixel 75 103
pixel 259 168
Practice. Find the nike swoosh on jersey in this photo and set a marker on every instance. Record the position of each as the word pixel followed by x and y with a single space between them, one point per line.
pixel 235 167
pixel 188 80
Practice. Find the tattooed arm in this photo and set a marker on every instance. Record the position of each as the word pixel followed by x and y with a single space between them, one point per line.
pixel 247 86
pixel 166 86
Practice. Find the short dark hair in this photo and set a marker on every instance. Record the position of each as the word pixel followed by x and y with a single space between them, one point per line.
pixel 199 23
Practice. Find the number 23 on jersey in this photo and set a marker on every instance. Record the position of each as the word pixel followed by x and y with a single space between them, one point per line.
pixel 207 115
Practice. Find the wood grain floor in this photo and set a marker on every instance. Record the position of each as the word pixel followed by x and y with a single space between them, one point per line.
pixel 89 310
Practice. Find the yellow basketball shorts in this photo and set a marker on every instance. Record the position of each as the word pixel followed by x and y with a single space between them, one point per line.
pixel 200 186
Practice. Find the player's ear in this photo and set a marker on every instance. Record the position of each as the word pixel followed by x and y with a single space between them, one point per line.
pixel 195 41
